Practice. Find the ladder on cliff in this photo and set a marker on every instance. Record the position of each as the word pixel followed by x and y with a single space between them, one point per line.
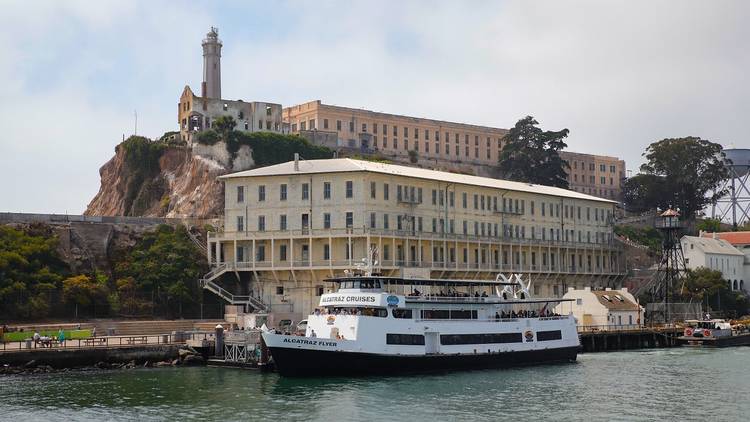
pixel 232 298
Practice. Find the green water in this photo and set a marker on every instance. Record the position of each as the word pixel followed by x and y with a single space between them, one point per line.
pixel 666 384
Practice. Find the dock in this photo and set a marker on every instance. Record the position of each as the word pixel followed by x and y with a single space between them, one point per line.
pixel 613 339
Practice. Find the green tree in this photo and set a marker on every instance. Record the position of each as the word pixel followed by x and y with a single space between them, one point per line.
pixel 703 285
pixel 85 291
pixel 224 126
pixel 712 225
pixel 693 170
pixel 30 272
pixel 532 155
pixel 645 192
pixel 166 266
pixel 413 156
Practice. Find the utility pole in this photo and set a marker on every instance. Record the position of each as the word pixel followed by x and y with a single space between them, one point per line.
pixel 135 131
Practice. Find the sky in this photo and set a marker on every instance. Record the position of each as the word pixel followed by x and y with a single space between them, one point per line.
pixel 618 74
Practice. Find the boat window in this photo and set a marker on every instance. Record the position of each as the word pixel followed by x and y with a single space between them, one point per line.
pixel 607 298
pixel 452 339
pixel 548 335
pixel 376 312
pixel 448 314
pixel 402 313
pixel 620 298
pixel 408 339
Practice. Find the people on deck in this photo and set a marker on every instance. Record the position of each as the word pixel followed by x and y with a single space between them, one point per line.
pixel 61 337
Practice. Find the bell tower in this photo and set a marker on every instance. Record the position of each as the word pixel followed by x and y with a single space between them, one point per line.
pixel 211 86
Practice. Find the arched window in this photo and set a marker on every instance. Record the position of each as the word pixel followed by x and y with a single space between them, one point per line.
pixel 742 284
pixel 734 285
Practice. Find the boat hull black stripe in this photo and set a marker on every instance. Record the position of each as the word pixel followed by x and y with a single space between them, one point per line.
pixel 305 362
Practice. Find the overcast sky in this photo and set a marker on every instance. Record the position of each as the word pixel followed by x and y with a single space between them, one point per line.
pixel 619 75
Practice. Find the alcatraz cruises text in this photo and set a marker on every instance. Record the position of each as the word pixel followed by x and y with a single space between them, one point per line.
pixel 348 299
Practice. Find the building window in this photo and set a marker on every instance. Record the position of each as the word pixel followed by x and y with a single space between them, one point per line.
pixel 349 189
pixel 261 223
pixel 351 126
pixel 325 123
pixel 386 224
pixel 282 253
pixel 279 290
pixel 326 253
pixel 312 124
pixel 302 125
pixel 261 193
pixel 240 194
pixel 240 223
pixel 326 220
pixel 282 192
pixel 305 191
pixel 386 192
pixel 372 220
pixel 338 125
pixel 326 190
pixel 260 253
pixel 373 190
pixel 364 127
pixel 282 222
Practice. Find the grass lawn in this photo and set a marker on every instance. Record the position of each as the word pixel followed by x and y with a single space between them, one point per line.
pixel 69 335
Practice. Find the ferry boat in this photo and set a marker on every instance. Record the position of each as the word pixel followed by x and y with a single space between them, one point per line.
pixel 714 333
pixel 379 325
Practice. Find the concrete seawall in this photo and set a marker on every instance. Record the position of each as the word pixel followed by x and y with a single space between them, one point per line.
pixel 87 357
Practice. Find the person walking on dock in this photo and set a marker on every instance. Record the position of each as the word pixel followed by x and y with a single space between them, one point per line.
pixel 61 338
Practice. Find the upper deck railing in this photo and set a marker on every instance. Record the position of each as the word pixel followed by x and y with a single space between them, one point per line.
pixel 407 234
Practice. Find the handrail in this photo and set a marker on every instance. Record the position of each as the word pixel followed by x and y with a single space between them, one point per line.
pixel 105 341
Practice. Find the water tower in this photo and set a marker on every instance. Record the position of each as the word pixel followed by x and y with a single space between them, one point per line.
pixel 735 206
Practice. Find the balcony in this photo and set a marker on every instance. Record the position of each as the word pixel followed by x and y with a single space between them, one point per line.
pixel 411 235
pixel 437 265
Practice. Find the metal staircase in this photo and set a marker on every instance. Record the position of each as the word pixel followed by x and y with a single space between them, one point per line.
pixel 232 298
pixel 201 245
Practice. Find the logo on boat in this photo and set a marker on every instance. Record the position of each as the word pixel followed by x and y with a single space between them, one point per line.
pixel 392 300
pixel 330 320
pixel 529 335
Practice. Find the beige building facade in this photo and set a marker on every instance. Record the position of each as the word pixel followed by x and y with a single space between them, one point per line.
pixel 597 175
pixel 289 226
pixel 443 145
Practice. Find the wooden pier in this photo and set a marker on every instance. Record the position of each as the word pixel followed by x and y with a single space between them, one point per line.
pixel 610 340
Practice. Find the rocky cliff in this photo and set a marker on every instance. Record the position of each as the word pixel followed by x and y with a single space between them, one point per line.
pixel 167 178
pixel 159 179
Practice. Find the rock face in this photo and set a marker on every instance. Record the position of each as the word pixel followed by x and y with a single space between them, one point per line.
pixel 181 182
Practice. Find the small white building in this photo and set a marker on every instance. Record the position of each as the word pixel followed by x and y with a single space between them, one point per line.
pixel 717 254
pixel 603 309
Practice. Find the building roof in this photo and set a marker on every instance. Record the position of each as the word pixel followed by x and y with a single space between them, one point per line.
pixel 735 238
pixel 615 301
pixel 345 165
pixel 711 245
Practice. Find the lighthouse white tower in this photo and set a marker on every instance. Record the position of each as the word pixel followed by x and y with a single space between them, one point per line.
pixel 211 86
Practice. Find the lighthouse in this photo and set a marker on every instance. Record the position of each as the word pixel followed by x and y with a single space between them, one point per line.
pixel 211 86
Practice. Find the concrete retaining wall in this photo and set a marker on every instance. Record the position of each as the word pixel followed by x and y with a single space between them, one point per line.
pixel 71 358
pixel 17 217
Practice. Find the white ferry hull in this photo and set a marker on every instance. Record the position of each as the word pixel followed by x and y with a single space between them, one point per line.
pixel 303 356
